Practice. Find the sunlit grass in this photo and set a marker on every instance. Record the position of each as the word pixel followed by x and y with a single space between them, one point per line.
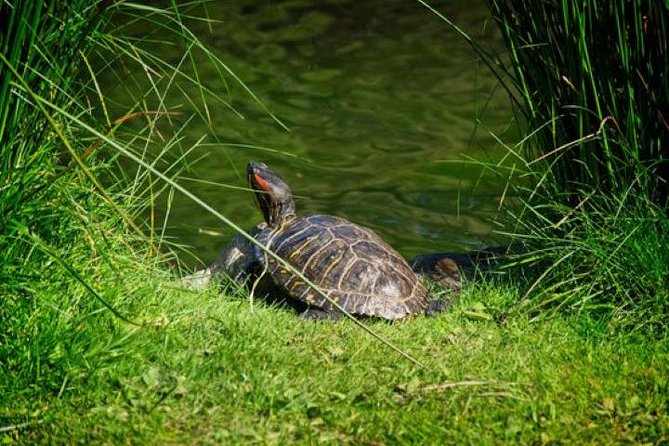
pixel 207 369
pixel 100 344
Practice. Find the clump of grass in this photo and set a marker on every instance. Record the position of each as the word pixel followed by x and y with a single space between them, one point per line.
pixel 589 81
pixel 50 203
pixel 43 194
pixel 39 47
pixel 69 237
pixel 588 184
pixel 608 254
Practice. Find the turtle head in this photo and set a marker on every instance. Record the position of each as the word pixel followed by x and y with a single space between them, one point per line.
pixel 272 193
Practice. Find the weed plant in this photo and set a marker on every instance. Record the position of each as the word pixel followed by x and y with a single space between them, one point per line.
pixel 590 84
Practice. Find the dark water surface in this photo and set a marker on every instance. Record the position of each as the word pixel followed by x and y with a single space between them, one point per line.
pixel 378 97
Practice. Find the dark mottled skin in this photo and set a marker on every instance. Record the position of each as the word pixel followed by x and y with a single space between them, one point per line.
pixel 449 269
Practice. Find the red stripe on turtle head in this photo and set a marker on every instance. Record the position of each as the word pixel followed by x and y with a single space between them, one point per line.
pixel 260 181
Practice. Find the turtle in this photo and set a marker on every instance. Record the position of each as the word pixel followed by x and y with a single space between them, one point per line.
pixel 350 263
pixel 238 261
pixel 450 269
pixel 343 240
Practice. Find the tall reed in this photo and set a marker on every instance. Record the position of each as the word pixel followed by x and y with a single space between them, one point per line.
pixel 593 80
pixel 590 81
pixel 40 45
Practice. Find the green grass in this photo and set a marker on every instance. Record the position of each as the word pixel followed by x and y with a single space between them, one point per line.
pixel 591 86
pixel 205 369
pixel 100 345
pixel 589 179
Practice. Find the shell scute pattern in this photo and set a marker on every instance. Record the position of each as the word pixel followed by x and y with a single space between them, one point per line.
pixel 348 262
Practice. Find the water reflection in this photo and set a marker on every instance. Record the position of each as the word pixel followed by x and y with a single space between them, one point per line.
pixel 376 96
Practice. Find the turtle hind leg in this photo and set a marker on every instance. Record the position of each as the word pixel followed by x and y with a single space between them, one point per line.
pixel 437 306
pixel 319 314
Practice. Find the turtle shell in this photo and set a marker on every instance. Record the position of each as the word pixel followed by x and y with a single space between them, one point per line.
pixel 350 263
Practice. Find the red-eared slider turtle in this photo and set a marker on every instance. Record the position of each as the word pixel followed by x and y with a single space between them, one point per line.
pixel 350 263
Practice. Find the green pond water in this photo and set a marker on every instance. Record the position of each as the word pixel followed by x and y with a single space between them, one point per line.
pixel 381 100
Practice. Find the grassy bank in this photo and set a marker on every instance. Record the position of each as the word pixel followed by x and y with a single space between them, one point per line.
pixel 207 370
pixel 100 344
